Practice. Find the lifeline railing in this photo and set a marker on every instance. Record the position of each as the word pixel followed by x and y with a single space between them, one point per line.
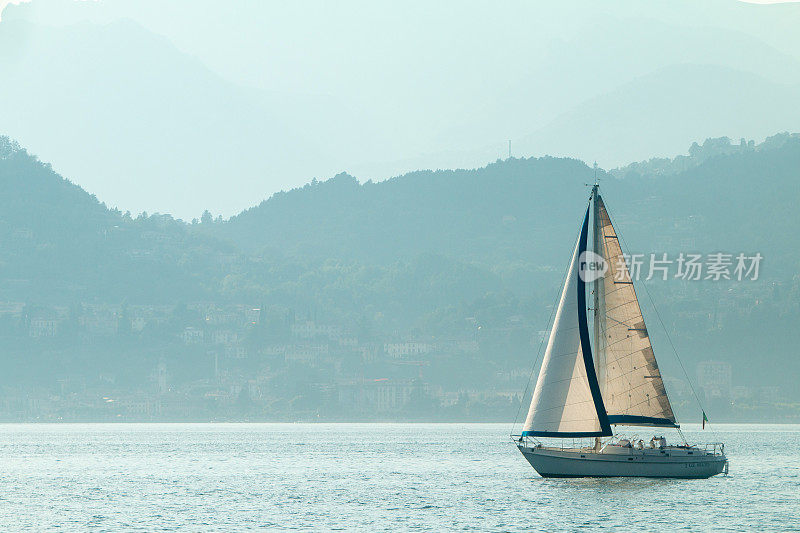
pixel 560 444
pixel 714 448
pixel 711 448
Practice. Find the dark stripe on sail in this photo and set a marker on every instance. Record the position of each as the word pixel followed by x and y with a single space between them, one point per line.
pixel 635 420
pixel 583 327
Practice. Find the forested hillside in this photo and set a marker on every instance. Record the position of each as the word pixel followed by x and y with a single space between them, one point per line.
pixel 471 257
pixel 60 244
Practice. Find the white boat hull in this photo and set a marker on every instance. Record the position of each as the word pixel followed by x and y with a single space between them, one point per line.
pixel 617 461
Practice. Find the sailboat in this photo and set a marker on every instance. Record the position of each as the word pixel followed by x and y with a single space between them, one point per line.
pixel 592 382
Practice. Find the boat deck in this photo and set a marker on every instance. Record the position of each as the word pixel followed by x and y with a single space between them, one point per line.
pixel 711 449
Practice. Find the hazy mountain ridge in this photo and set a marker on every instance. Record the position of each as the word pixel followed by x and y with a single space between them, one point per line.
pixel 124 106
pixel 60 244
pixel 664 108
pixel 502 218
pixel 476 255
pixel 389 220
pixel 505 212
pixel 698 154
pixel 129 105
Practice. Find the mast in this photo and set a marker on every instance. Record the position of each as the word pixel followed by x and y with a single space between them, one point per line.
pixel 597 284
pixel 597 287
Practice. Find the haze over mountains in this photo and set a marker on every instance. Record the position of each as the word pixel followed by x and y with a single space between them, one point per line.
pixel 333 266
pixel 148 105
pixel 129 105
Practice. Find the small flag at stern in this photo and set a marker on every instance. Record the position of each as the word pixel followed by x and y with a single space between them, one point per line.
pixel 705 419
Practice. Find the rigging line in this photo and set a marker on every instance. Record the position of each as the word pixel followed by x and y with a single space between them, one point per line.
pixel 541 342
pixel 664 327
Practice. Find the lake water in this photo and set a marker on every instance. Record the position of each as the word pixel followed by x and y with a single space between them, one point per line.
pixel 394 477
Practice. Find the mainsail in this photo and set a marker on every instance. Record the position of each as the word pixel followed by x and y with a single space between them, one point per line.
pixel 566 401
pixel 630 381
